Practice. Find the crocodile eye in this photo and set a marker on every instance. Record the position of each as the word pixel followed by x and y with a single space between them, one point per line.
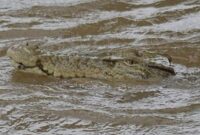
pixel 27 44
pixel 35 47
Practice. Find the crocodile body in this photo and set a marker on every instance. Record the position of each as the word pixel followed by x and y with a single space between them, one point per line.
pixel 102 65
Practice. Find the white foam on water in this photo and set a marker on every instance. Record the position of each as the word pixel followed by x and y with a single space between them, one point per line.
pixel 6 5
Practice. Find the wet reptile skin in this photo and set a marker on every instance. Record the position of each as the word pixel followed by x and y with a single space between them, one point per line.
pixel 114 64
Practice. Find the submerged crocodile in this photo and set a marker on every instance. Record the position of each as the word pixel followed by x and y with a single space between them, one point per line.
pixel 113 64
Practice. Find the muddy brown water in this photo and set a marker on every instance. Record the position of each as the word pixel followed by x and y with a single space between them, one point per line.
pixel 32 104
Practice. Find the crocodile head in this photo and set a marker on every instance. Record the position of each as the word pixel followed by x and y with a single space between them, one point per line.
pixel 24 54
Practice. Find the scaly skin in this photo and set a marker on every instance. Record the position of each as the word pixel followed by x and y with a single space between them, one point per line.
pixel 115 64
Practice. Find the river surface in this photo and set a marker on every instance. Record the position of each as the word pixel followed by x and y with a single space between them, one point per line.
pixel 32 104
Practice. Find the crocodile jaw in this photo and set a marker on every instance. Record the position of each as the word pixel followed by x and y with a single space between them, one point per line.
pixel 23 68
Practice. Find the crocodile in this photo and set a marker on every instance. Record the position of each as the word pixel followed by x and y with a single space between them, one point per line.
pixel 117 64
